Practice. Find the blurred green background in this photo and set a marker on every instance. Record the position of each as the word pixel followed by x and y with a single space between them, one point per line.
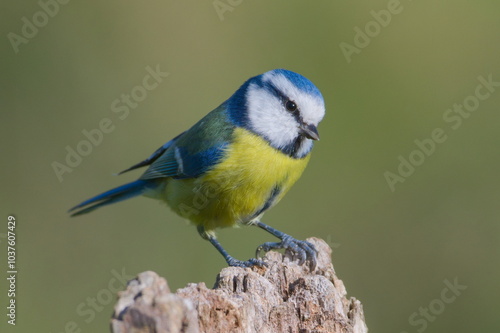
pixel 392 249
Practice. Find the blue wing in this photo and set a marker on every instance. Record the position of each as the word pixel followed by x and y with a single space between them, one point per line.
pixel 179 162
pixel 188 155
pixel 193 152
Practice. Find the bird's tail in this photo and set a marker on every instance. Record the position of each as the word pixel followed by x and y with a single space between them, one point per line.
pixel 117 194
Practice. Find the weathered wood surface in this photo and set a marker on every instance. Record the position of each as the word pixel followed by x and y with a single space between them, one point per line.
pixel 283 297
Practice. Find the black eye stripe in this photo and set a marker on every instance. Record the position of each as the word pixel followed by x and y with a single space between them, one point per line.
pixel 276 92
pixel 284 99
pixel 295 113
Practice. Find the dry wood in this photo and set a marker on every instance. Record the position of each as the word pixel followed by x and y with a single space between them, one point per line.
pixel 283 297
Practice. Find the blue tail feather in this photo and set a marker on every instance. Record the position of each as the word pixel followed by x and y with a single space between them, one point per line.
pixel 117 194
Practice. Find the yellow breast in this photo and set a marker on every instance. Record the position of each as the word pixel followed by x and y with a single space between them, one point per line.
pixel 238 187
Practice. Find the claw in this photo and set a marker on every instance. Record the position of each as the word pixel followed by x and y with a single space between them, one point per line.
pixel 303 250
pixel 249 263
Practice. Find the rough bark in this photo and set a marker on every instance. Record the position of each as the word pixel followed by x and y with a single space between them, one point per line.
pixel 283 297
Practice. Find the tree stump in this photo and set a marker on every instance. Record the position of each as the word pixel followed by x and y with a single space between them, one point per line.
pixel 283 297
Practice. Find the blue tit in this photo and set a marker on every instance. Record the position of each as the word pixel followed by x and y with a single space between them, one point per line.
pixel 235 163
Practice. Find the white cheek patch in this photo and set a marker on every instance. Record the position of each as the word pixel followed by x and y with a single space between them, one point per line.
pixel 312 107
pixel 269 119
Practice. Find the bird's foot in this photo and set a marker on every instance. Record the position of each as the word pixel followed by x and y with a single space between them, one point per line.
pixel 303 250
pixel 249 263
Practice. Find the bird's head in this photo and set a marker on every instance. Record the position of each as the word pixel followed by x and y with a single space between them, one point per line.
pixel 281 106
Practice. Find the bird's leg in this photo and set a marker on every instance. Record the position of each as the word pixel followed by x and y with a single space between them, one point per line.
pixel 302 249
pixel 231 261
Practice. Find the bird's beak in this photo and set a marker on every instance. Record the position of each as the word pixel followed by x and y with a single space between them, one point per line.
pixel 310 131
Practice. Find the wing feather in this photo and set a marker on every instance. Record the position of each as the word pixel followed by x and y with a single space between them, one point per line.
pixel 195 151
pixel 153 156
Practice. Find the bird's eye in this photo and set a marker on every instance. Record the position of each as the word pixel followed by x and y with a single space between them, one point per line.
pixel 291 106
